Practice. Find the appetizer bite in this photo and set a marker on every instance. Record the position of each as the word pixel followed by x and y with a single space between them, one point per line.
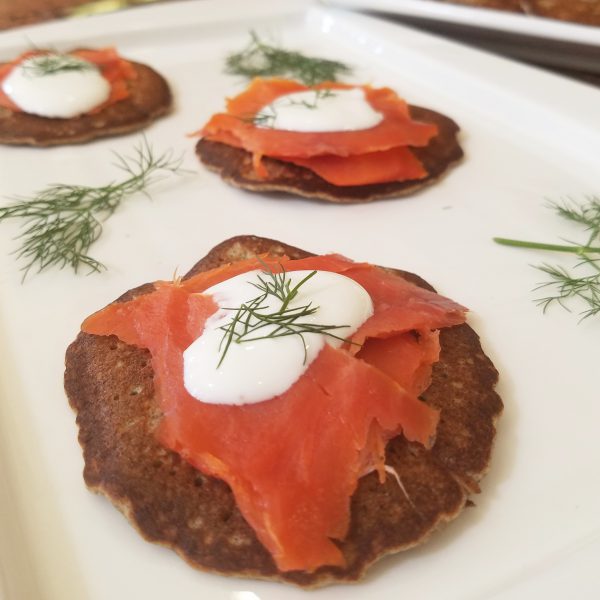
pixel 331 141
pixel 277 414
pixel 49 98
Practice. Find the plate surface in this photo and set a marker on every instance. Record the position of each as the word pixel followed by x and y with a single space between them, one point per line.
pixel 527 136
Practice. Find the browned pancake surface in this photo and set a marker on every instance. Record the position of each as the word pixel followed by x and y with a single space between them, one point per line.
pixel 110 386
pixel 234 165
pixel 149 99
pixel 586 12
pixel 510 5
pixel 15 13
pixel 580 11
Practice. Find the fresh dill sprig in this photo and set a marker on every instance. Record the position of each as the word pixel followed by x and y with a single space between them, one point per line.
pixel 50 64
pixel 568 285
pixel 313 104
pixel 63 221
pixel 252 317
pixel 582 281
pixel 260 59
pixel 267 116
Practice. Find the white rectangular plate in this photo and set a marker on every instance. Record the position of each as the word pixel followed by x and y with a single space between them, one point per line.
pixel 482 17
pixel 536 39
pixel 527 136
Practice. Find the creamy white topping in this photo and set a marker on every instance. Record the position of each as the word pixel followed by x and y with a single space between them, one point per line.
pixel 60 93
pixel 253 371
pixel 319 111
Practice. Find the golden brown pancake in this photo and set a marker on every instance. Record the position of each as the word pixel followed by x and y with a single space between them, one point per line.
pixel 110 386
pixel 234 165
pixel 579 11
pixel 25 12
pixel 149 98
pixel 586 12
pixel 510 5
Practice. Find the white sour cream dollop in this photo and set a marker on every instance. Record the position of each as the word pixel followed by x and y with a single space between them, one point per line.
pixel 254 371
pixel 61 94
pixel 319 111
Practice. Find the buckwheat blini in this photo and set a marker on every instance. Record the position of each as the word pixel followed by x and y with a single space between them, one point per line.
pixel 331 142
pixel 49 98
pixel 160 470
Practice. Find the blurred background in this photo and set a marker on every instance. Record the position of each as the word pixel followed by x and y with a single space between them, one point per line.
pixel 14 13
pixel 575 60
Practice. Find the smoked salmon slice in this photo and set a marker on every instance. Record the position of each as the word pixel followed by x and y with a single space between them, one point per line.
pixel 293 462
pixel 407 358
pixel 375 155
pixel 395 164
pixel 114 69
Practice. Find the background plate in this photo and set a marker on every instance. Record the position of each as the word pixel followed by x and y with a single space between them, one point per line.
pixel 525 37
pixel 527 136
